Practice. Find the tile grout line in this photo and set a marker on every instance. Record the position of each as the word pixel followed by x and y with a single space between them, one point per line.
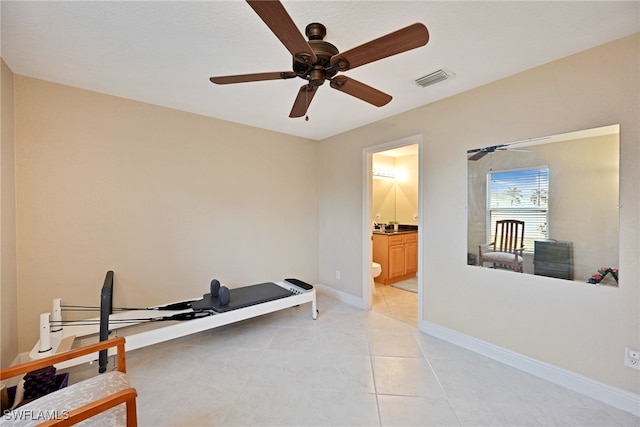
pixel 373 376
pixel 253 370
pixel 435 375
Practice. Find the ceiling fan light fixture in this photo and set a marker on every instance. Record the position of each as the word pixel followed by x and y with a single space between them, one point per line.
pixel 435 77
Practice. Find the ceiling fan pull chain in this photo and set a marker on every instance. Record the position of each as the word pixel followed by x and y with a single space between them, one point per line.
pixel 306 95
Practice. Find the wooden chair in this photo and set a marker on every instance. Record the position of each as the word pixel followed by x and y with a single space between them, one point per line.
pixel 507 247
pixel 85 399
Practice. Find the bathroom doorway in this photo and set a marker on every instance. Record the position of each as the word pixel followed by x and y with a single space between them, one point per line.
pixel 392 188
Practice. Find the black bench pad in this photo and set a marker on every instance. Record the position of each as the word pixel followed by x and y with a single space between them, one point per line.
pixel 242 297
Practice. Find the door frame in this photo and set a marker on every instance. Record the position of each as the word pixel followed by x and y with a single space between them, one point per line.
pixel 367 223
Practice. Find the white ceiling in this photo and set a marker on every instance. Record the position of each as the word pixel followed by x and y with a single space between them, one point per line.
pixel 163 53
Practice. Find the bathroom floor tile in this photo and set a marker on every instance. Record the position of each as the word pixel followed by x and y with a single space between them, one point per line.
pixel 396 303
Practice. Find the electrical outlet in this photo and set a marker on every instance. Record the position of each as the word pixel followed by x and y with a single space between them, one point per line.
pixel 337 275
pixel 632 358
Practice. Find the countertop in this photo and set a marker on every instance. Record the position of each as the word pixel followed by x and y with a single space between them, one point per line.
pixel 391 232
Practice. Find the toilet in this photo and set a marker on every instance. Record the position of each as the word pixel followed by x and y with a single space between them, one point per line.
pixel 376 269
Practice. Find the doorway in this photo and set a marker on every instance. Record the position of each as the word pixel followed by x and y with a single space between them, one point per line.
pixel 393 194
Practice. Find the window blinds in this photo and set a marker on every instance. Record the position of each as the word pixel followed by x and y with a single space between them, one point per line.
pixel 522 195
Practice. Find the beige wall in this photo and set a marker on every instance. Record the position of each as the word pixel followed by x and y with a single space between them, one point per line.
pixel 8 283
pixel 580 328
pixel 166 199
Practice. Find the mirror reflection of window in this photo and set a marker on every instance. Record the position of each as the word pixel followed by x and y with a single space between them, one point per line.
pixel 564 187
pixel 521 195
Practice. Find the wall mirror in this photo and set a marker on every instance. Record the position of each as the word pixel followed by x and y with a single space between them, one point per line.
pixel 565 188
pixel 395 185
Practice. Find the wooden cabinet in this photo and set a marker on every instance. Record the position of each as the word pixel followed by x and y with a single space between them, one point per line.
pixel 397 254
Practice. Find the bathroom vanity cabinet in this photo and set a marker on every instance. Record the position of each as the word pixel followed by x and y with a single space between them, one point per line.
pixel 397 254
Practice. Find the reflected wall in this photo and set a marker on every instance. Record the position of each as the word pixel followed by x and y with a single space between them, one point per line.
pixel 395 186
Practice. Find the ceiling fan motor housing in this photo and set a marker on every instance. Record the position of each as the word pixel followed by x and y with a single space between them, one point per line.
pixel 315 31
pixel 321 70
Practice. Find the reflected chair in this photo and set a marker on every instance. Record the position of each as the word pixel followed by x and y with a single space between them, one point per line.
pixel 506 249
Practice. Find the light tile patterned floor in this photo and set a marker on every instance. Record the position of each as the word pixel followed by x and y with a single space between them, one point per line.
pixel 347 368
pixel 394 302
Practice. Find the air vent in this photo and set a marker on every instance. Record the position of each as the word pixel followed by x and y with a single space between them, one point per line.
pixel 435 77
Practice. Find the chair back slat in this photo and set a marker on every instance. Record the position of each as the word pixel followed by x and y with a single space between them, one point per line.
pixel 509 235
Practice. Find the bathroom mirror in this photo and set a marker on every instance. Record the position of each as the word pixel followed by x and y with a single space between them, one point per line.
pixel 565 188
pixel 395 185
pixel 384 198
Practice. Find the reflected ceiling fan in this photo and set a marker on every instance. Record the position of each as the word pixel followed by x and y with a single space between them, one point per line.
pixel 478 153
pixel 316 60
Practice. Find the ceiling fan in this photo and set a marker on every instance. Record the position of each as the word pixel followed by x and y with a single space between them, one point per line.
pixel 316 60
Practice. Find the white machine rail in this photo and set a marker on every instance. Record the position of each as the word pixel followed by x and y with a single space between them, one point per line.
pixel 180 319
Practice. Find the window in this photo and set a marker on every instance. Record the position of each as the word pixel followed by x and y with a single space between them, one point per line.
pixel 522 195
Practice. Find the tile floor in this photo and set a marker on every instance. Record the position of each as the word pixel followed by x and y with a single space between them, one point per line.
pixel 394 302
pixel 347 368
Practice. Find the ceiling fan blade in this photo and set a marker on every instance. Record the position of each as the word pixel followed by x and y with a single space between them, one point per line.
pixel 301 104
pixel 408 38
pixel 256 77
pixel 273 13
pixel 360 90
pixel 481 152
pixel 478 155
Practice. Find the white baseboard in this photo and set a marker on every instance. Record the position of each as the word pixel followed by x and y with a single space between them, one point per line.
pixel 614 396
pixel 340 296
